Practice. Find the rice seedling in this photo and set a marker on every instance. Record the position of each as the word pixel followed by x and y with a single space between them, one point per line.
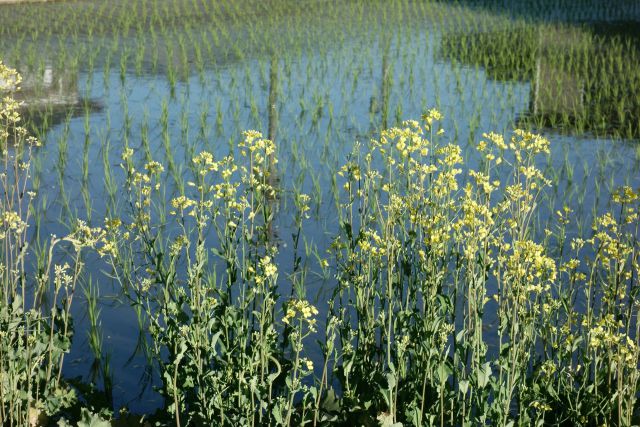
pixel 100 365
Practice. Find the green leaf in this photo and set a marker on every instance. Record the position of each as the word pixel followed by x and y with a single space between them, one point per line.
pixel 277 414
pixel 331 402
pixel 386 420
pixel 484 375
pixel 391 380
pixel 443 372
pixel 90 419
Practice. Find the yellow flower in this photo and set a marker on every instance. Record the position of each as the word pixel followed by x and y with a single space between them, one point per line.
pixel 182 203
pixel 302 310
pixel 308 364
pixel 154 167
pixel 270 270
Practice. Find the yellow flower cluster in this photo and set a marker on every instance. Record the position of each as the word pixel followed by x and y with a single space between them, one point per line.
pixel 495 139
pixel 625 195
pixel 431 116
pixel 127 154
pixel 260 149
pixel 177 245
pixel 154 168
pixel 302 203
pixel 11 222
pixel 269 270
pixel 527 143
pixel 108 248
pixel 111 237
pixel 605 335
pixel 142 181
pixel 541 406
pixel 9 113
pixel 407 140
pixel 531 172
pixel 61 278
pixel 608 234
pixel 519 196
pixel 9 79
pixel 476 221
pixel 437 235
pixel 446 183
pixel 371 244
pixel 140 178
pixel 563 216
pixel 85 236
pixel 528 264
pixel 9 110
pixel 451 155
pixel 483 182
pixel 182 203
pixel 302 310
pixel 396 206
pixel 207 162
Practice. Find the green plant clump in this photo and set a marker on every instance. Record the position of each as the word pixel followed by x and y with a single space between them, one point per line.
pixel 447 306
pixel 35 304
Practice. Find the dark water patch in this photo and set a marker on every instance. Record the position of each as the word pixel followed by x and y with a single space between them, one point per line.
pixel 583 78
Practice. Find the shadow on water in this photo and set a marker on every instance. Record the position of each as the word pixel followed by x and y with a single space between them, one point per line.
pixel 558 11
pixel 585 78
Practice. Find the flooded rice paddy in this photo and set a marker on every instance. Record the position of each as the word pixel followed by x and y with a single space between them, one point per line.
pixel 169 79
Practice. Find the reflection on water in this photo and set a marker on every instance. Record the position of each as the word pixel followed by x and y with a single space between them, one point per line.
pixel 584 78
pixel 48 87
pixel 49 96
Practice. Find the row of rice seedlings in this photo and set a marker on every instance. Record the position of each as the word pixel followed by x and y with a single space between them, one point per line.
pixel 397 108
